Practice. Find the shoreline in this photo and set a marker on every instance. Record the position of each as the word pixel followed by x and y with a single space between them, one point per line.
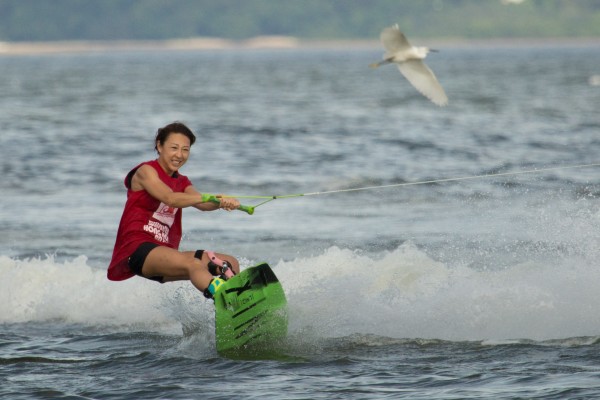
pixel 265 42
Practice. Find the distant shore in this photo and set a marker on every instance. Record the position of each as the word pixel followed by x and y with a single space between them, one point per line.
pixel 263 42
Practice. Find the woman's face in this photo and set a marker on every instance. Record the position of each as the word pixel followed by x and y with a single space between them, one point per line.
pixel 174 152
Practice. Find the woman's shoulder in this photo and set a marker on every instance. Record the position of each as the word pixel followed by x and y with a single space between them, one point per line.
pixel 145 167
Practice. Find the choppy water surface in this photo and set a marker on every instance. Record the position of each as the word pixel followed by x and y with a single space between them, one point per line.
pixel 478 288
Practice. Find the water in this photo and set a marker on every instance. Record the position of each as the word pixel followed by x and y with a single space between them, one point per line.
pixel 483 288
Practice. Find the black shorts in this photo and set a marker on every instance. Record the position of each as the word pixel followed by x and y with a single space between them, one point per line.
pixel 137 259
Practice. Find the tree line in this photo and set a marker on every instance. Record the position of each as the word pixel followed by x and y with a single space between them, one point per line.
pixel 48 20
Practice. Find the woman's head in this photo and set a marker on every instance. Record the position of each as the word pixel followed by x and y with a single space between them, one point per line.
pixel 173 143
pixel 176 127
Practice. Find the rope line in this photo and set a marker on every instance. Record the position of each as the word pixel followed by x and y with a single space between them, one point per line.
pixel 463 178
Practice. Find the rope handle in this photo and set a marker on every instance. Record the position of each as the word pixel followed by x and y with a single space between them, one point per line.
pixel 207 197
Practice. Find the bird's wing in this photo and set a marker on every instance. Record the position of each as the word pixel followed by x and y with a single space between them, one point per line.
pixel 393 40
pixel 423 79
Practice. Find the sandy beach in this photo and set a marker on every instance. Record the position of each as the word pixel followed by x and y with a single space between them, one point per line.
pixel 84 46
pixel 262 42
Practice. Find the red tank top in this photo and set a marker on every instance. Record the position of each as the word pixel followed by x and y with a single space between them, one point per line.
pixel 146 219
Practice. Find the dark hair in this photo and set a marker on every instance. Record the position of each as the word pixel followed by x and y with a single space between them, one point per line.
pixel 175 127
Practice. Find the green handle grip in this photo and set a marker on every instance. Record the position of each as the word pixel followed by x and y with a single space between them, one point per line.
pixel 247 209
pixel 206 197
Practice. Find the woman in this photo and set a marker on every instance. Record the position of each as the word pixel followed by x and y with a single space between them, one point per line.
pixel 150 229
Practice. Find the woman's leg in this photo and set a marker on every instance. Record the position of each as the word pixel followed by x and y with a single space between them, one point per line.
pixel 174 265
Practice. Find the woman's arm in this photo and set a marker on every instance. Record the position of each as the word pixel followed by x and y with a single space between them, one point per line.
pixel 207 206
pixel 146 178
pixel 226 203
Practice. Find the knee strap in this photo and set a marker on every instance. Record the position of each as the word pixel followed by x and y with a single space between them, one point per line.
pixel 212 267
pixel 216 266
pixel 214 262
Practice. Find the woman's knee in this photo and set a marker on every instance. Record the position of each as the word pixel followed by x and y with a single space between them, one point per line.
pixel 235 264
pixel 206 255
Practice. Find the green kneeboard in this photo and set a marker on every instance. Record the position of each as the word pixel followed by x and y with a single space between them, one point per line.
pixel 250 313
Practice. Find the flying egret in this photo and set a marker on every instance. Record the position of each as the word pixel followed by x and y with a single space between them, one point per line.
pixel 409 60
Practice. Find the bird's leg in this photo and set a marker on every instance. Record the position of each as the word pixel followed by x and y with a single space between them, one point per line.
pixel 380 63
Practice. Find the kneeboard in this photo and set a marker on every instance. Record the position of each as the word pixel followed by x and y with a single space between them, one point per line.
pixel 250 312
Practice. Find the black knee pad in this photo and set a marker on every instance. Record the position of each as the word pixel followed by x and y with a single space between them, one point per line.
pixel 212 267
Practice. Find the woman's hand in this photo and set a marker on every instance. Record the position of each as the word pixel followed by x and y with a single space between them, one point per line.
pixel 228 203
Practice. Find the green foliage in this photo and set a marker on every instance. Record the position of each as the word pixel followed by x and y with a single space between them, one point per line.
pixel 33 20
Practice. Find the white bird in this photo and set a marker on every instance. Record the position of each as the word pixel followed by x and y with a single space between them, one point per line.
pixel 409 60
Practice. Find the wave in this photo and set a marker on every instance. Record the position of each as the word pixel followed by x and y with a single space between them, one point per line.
pixel 407 294
pixel 400 294
pixel 43 290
